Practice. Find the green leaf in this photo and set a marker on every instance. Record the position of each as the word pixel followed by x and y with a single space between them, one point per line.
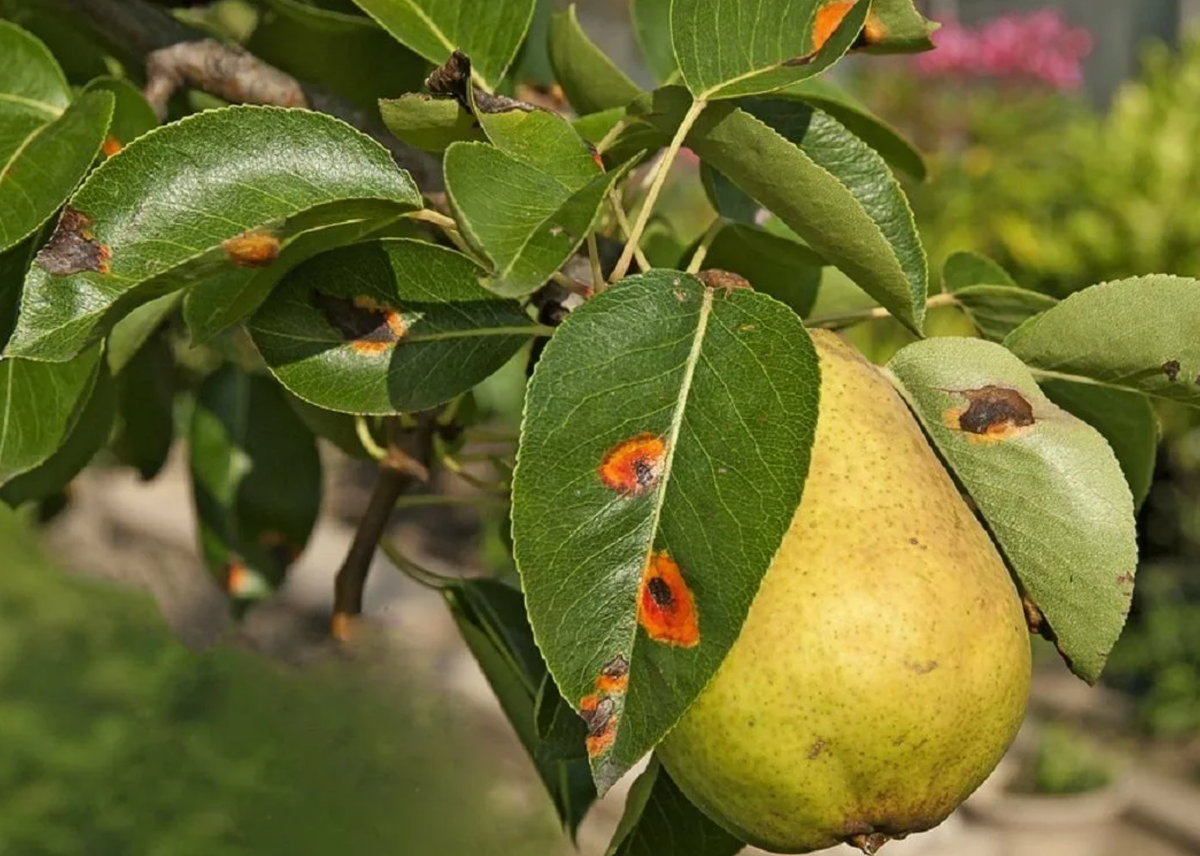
pixel 788 271
pixel 898 28
pixel 132 113
pixel 214 194
pixel 14 263
pixel 386 327
pixel 662 416
pixel 1125 419
pixel 89 434
pixel 491 617
pixel 338 428
pixel 725 50
pixel 1136 334
pixel 135 329
pixel 526 220
pixel 965 269
pixel 1046 483
pixel 659 820
pixel 997 310
pixel 429 122
pixel 591 81
pixel 39 405
pixel 213 305
pixel 489 31
pixel 827 185
pixel 561 732
pixel 47 144
pixel 652 27
pixel 344 53
pixel 726 198
pixel 146 406
pixel 256 481
pixel 858 120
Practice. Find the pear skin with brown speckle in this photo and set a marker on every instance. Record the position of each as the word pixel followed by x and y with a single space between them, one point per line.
pixel 884 667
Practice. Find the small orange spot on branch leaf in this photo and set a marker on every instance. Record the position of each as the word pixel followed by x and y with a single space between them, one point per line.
pixel 666 606
pixel 73 248
pixel 369 326
pixel 635 466
pixel 253 249
pixel 111 146
pixel 994 413
pixel 600 714
pixel 829 18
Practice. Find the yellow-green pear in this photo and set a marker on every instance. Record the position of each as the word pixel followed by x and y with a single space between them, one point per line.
pixel 884 666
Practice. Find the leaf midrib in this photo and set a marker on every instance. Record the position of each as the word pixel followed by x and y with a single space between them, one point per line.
pixel 44 106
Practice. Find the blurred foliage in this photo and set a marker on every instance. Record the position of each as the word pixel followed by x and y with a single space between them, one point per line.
pixel 115 739
pixel 1064 763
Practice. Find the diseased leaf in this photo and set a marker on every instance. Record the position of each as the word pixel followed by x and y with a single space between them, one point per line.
pixel 89 434
pixel 591 81
pixel 1125 419
pixel 727 49
pixel 489 31
pixel 39 405
pixel 858 120
pixel 652 27
pixel 895 26
pixel 659 819
pixel 526 219
pixel 828 186
pixel 132 113
pixel 491 617
pixel 146 409
pixel 1047 484
pixel 347 54
pixel 429 122
pixel 1135 334
pixel 662 416
pixel 788 271
pixel 218 193
pixel 256 482
pixel 385 327
pixel 44 151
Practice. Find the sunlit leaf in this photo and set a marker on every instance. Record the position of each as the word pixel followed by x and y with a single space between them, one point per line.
pixel 386 327
pixel 216 194
pixel 429 122
pixel 662 416
pixel 1047 484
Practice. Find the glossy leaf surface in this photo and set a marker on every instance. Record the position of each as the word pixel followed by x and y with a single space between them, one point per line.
pixel 666 440
pixel 1047 483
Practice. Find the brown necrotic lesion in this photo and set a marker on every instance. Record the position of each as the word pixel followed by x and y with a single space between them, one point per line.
pixel 370 327
pixel 992 413
pixel 73 248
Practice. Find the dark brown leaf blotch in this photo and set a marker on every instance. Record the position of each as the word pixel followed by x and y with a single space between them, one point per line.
pixel 451 79
pixel 994 410
pixel 723 279
pixel 1172 368
pixel 369 326
pixel 72 248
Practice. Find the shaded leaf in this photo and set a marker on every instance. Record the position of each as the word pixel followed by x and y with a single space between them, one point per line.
pixel 135 329
pixel 132 113
pixel 146 407
pixel 662 416
pixel 725 50
pixel 39 405
pixel 489 31
pixel 726 198
pixel 88 435
pixel 561 732
pixel 828 186
pixel 526 219
pixel 997 310
pixel 591 81
pixel 532 65
pixel 858 120
pixel 46 147
pixel 491 617
pixel 964 269
pixel 1135 334
pixel 1046 483
pixel 385 327
pixel 337 428
pixel 344 53
pixel 660 820
pixel 219 192
pixel 1125 419
pixel 429 122
pixel 256 481
pixel 788 271
pixel 652 28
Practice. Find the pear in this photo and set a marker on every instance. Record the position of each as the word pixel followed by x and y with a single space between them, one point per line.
pixel 884 666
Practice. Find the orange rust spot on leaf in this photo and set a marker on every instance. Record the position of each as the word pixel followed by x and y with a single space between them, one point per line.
pixel 73 248
pixel 369 326
pixel 666 607
pixel 994 414
pixel 829 17
pixel 614 677
pixel 600 714
pixel 634 466
pixel 111 146
pixel 239 579
pixel 253 249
